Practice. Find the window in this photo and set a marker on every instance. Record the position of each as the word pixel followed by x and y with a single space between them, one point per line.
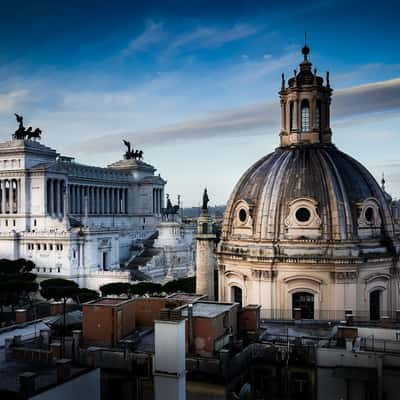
pixel 44 246
pixel 58 269
pixel 34 222
pixel 44 269
pixel 318 115
pixel 38 246
pixel 61 247
pixel 305 116
pixel 51 246
pixel 13 222
pixel 6 222
pixel 303 214
pixel 291 115
pixel 242 215
pixel 74 253
pixel 369 214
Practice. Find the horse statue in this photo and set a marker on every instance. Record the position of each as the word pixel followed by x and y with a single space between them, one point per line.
pixel 130 153
pixel 22 132
pixel 36 134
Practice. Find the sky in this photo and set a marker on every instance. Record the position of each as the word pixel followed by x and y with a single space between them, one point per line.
pixel 194 84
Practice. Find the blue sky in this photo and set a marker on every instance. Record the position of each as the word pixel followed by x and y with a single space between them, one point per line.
pixel 194 83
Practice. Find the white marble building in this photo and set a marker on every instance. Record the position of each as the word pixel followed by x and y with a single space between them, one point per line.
pixel 174 250
pixel 74 221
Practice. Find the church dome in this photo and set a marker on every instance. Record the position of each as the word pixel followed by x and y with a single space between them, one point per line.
pixel 307 192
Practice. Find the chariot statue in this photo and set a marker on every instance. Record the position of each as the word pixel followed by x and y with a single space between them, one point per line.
pixel 130 154
pixel 22 132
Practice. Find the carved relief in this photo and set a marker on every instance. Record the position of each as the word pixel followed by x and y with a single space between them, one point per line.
pixel 345 276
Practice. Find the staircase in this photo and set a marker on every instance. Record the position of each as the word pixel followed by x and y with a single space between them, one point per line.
pixel 142 258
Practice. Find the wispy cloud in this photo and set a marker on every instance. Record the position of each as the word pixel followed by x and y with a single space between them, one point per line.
pixel 9 101
pixel 209 37
pixel 261 118
pixel 152 34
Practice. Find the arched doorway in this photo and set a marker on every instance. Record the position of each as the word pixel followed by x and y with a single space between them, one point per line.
pixel 304 301
pixel 237 294
pixel 375 305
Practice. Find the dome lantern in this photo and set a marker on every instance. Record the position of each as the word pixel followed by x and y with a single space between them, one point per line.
pixel 305 107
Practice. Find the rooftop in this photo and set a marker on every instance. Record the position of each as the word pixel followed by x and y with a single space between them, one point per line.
pixel 208 309
pixel 108 302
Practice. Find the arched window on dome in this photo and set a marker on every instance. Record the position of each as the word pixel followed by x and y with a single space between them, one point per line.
pixel 305 116
pixel 291 106
pixel 318 115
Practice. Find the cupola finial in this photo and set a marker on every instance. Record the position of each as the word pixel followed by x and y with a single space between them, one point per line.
pixel 305 50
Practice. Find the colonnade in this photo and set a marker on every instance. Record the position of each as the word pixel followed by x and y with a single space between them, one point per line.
pixel 10 196
pixel 55 189
pixel 157 200
pixel 100 199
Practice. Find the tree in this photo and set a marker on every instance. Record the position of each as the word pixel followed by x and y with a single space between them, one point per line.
pixel 17 283
pixel 187 285
pixel 59 289
pixel 116 289
pixel 84 295
pixel 142 288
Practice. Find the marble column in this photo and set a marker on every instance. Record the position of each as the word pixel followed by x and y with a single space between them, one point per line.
pixel 11 197
pixel 78 199
pixel 126 201
pixel 60 198
pixel 3 196
pixel 111 200
pixel 51 196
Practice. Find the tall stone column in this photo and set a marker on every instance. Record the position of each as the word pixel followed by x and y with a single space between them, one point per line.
pixel 78 199
pixel 106 210
pixel 205 259
pixel 51 197
pixel 126 201
pixel 59 198
pixel 12 196
pixel 112 200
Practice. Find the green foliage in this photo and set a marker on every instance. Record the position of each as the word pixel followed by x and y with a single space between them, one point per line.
pixel 142 288
pixel 115 288
pixel 187 285
pixel 58 289
pixel 15 266
pixel 16 281
pixel 84 295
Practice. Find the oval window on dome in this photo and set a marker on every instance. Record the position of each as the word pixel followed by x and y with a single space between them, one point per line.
pixel 242 215
pixel 303 214
pixel 369 214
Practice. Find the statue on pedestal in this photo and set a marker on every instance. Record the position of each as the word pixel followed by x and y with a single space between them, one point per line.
pixel 205 200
